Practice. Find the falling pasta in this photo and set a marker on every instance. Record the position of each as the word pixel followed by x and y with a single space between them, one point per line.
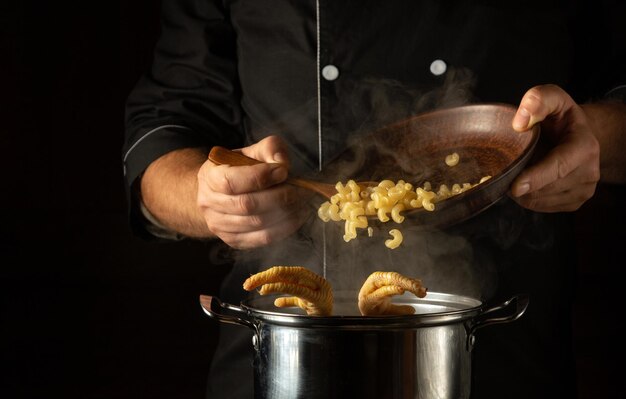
pixel 395 241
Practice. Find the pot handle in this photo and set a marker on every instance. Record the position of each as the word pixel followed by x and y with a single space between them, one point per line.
pixel 514 309
pixel 213 307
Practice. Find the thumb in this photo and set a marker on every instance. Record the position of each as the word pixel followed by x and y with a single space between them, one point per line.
pixel 539 103
pixel 271 149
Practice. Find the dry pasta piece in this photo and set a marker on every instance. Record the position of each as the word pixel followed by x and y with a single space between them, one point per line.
pixel 382 213
pixel 323 211
pixel 442 193
pixel 452 159
pixel 311 292
pixel 426 198
pixel 395 213
pixel 395 241
pixel 375 294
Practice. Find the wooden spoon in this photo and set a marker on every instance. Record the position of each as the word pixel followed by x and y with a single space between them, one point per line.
pixel 223 156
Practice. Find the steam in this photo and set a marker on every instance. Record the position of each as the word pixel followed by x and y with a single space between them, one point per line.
pixel 444 262
pixel 448 261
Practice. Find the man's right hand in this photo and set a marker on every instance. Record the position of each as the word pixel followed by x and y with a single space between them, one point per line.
pixel 247 206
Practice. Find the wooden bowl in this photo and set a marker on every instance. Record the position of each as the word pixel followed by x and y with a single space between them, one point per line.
pixel 415 150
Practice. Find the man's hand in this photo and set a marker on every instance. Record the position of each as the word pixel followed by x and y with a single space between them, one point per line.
pixel 567 176
pixel 247 206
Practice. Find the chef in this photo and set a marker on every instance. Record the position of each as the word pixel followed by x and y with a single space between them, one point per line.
pixel 292 83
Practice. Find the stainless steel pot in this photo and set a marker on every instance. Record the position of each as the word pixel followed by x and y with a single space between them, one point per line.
pixel 425 355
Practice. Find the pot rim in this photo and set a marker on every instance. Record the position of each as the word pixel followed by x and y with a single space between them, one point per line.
pixel 458 308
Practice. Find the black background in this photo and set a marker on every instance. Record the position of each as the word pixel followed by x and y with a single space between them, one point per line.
pixel 88 310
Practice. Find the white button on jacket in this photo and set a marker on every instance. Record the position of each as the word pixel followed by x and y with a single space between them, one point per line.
pixel 330 72
pixel 438 67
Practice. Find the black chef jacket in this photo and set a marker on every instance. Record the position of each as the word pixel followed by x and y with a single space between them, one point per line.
pixel 320 73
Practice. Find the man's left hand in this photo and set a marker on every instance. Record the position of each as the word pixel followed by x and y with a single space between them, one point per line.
pixel 567 175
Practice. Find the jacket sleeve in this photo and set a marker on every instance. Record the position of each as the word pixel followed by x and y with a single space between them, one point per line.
pixel 191 95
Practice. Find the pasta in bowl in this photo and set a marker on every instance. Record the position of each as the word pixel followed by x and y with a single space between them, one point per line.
pixel 473 146
pixel 386 201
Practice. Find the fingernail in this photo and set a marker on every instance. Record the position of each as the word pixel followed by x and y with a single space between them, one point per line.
pixel 521 119
pixel 279 157
pixel 522 189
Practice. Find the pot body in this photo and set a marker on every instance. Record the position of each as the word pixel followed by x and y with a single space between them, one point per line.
pixel 422 356
pixel 424 362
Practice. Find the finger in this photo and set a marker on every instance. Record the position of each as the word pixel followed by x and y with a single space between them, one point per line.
pixel 224 223
pixel 234 223
pixel 550 205
pixel 260 238
pixel 271 149
pixel 243 179
pixel 583 176
pixel 562 195
pixel 564 201
pixel 577 150
pixel 540 102
pixel 280 197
